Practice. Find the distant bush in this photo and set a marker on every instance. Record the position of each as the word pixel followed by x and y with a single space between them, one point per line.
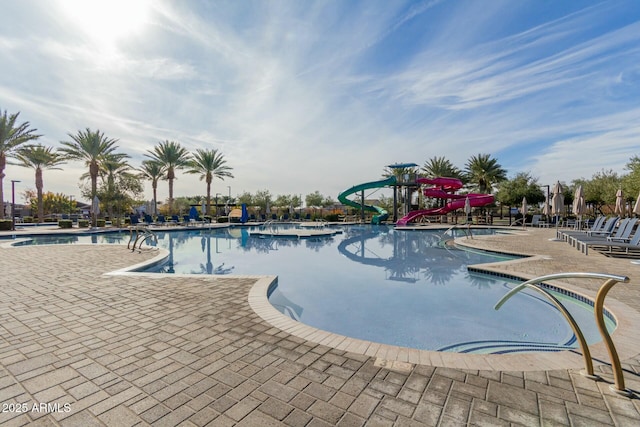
pixel 83 223
pixel 50 220
pixel 65 223
pixel 27 219
pixel 101 223
pixel 5 224
pixel 332 218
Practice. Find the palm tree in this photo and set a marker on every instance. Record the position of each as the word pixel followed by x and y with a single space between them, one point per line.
pixel 113 170
pixel 171 155
pixel 39 158
pixel 483 171
pixel 439 166
pixel 153 171
pixel 93 148
pixel 11 136
pixel 209 164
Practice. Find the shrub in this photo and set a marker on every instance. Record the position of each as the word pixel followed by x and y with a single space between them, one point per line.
pixel 101 223
pixel 223 219
pixel 27 219
pixel 50 220
pixel 65 223
pixel 332 218
pixel 83 223
pixel 5 224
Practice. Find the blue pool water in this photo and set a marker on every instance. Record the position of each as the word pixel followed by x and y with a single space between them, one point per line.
pixel 399 287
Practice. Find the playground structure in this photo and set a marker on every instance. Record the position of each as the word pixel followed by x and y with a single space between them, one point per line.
pixel 381 213
pixel 445 188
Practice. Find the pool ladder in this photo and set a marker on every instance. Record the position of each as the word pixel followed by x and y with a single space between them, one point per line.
pixel 598 311
pixel 138 235
pixel 463 227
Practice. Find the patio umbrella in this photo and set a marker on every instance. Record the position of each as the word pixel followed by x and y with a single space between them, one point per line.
pixel 557 204
pixel 619 209
pixel 579 205
pixel 467 211
pixel 636 208
pixel 523 210
pixel 204 207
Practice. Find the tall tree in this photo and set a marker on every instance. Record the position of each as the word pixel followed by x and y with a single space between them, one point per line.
pixel 92 148
pixel 483 172
pixel 171 155
pixel 11 137
pixel 39 157
pixel 440 166
pixel 209 164
pixel 152 171
pixel 116 176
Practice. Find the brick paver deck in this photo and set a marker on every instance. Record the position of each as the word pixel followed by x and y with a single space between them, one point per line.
pixel 81 348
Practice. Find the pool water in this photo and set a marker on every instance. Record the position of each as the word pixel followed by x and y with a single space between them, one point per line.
pixel 398 287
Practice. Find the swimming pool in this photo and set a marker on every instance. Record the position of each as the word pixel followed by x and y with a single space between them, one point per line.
pixel 398 287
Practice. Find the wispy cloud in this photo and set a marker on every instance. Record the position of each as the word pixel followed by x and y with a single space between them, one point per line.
pixel 304 96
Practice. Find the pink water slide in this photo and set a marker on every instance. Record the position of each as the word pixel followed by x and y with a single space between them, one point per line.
pixel 445 188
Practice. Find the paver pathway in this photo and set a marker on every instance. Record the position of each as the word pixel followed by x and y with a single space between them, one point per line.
pixel 79 348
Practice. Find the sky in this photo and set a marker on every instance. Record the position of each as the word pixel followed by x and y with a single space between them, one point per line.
pixel 304 96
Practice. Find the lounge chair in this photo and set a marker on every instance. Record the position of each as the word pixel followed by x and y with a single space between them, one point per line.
pixel 175 219
pixel 612 248
pixel 597 225
pixel 148 219
pixel 621 235
pixel 134 219
pixel 607 229
pixel 161 220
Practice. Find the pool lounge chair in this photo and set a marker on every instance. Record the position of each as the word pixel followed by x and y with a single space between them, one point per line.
pixel 604 231
pixel 612 248
pixel 621 235
pixel 597 225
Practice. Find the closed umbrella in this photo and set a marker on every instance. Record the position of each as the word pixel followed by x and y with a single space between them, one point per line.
pixel 557 205
pixel 619 209
pixel 579 205
pixel 636 208
pixel 523 210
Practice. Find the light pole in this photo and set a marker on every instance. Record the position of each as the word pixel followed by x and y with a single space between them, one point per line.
pixel 13 204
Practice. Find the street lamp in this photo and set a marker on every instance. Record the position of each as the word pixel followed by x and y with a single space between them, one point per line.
pixel 13 204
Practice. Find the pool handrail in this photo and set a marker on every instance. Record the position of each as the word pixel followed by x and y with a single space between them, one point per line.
pixel 142 233
pixel 598 311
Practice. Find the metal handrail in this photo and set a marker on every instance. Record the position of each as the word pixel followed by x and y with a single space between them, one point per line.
pixel 598 310
pixel 142 233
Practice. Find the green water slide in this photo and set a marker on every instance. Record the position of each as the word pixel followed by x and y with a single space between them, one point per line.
pixel 382 214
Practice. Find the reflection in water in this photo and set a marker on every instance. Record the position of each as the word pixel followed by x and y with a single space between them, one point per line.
pixel 413 254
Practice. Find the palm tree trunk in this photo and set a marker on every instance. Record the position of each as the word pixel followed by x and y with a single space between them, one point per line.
pixel 155 198
pixel 170 176
pixel 93 171
pixel 209 197
pixel 39 187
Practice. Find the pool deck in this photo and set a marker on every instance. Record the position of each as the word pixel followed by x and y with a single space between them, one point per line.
pixel 132 349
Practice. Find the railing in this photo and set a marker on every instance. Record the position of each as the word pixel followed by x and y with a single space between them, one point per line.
pixel 464 227
pixel 598 311
pixel 138 234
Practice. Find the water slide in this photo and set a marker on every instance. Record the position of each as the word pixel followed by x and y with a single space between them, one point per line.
pixel 382 214
pixel 444 188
